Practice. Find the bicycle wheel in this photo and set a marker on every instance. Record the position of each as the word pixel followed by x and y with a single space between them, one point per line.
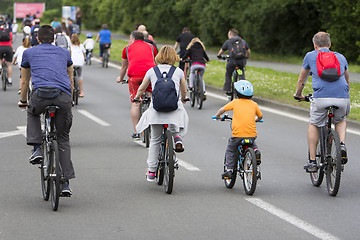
pixel 192 96
pixel 104 58
pixel 55 174
pixel 250 171
pixel 4 79
pixel 317 177
pixel 45 170
pixel 169 163
pixel 76 91
pixel 199 93
pixel 333 167
pixel 160 173
pixel 229 183
pixel 147 137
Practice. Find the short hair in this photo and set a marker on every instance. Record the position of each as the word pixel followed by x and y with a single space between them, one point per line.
pixel 105 26
pixel 167 55
pixel 137 35
pixel 46 34
pixel 185 29
pixel 75 39
pixel 322 39
pixel 234 31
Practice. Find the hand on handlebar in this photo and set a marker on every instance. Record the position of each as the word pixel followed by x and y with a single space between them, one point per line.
pixel 185 100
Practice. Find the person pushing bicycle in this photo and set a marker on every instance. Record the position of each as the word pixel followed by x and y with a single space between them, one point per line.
pixel 245 113
pixel 239 51
pixel 51 72
pixel 326 92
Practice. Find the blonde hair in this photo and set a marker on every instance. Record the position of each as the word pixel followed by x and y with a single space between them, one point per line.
pixel 167 55
pixel 75 40
pixel 26 42
pixel 194 40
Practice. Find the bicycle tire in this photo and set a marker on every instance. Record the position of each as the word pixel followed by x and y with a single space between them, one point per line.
pixel 317 177
pixel 192 97
pixel 169 163
pixel 44 170
pixel 199 93
pixel 55 189
pixel 147 137
pixel 160 174
pixel 250 171
pixel 334 165
pixel 229 183
pixel 3 78
pixel 76 91
pixel 104 59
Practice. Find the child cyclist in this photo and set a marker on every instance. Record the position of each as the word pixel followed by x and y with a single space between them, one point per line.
pixel 89 44
pixel 245 113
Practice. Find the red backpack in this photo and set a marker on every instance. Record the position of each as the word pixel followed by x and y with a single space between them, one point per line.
pixel 328 66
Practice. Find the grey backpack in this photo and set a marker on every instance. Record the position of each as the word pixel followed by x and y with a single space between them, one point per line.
pixel 60 41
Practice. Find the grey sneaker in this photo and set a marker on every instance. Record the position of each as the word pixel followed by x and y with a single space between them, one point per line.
pixel 310 167
pixel 344 158
pixel 36 157
pixel 66 190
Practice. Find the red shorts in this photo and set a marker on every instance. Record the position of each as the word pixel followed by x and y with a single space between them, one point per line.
pixel 134 84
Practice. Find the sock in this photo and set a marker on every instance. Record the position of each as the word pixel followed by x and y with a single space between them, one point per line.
pixel 36 146
pixel 312 161
pixel 10 80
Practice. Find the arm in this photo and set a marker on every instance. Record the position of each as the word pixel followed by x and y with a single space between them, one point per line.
pixel 220 52
pixel 124 67
pixel 70 72
pixel 183 89
pixel 176 45
pixel 347 77
pixel 97 38
pixel 24 84
pixel 301 82
pixel 257 119
pixel 248 53
pixel 220 112
pixel 14 61
pixel 145 83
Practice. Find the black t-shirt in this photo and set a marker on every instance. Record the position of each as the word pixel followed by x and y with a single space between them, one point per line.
pixel 184 39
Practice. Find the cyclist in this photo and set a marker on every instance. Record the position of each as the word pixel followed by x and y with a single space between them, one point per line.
pixel 18 55
pixel 89 44
pixel 196 51
pixel 40 63
pixel 177 119
pixel 34 32
pixel 137 59
pixel 183 39
pixel 104 37
pixel 325 94
pixel 232 62
pixel 6 47
pixel 77 51
pixel 245 113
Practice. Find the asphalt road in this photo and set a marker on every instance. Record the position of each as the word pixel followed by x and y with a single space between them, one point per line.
pixel 112 199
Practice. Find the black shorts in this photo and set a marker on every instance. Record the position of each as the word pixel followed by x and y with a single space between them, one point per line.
pixel 8 51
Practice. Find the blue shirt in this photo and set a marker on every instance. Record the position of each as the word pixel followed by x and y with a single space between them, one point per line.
pixel 322 88
pixel 48 65
pixel 105 36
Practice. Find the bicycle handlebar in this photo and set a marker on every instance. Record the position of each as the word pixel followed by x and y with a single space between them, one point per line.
pixel 223 57
pixel 226 117
pixel 306 98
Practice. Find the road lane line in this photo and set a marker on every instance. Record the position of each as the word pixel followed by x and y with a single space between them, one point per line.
pixel 109 63
pixel 297 222
pixel 281 113
pixel 94 118
pixel 182 163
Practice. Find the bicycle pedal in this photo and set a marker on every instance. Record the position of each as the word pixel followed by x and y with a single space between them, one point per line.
pixel 65 195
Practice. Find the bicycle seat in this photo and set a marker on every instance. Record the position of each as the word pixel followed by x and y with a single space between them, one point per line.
pixel 3 55
pixel 247 142
pixel 106 45
pixel 51 110
pixel 332 107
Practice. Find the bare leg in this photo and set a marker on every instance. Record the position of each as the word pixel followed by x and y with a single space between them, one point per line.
pixel 135 114
pixel 341 130
pixel 313 139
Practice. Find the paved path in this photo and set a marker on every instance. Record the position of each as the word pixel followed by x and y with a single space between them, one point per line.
pixel 281 67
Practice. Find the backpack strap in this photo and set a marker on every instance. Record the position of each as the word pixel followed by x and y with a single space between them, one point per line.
pixel 169 74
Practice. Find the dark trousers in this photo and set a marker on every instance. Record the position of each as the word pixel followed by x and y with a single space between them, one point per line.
pixel 63 122
pixel 230 67
pixel 231 154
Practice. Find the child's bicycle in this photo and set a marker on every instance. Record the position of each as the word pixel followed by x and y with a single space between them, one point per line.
pixel 247 166
pixel 328 154
pixel 88 57
pixel 238 74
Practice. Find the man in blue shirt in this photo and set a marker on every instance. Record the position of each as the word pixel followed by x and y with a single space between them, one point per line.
pixel 325 94
pixel 50 69
pixel 104 37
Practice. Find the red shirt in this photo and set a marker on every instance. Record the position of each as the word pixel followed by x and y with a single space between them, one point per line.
pixel 7 43
pixel 140 56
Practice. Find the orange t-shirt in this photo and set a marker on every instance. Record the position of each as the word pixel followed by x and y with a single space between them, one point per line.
pixel 243 123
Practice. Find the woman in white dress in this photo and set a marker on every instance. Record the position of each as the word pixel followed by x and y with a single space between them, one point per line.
pixel 177 119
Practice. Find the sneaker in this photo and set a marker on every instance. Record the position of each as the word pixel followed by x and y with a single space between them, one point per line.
pixel 228 93
pixel 204 97
pixel 66 190
pixel 343 153
pixel 150 176
pixel 36 156
pixel 135 136
pixel 179 146
pixel 227 175
pixel 258 156
pixel 19 91
pixel 310 167
pixel 81 95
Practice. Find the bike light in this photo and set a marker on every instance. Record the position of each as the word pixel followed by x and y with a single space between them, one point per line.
pixel 166 125
pixel 52 114
pixel 331 115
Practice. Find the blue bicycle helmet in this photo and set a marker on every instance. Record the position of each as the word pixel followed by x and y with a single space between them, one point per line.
pixel 89 35
pixel 244 88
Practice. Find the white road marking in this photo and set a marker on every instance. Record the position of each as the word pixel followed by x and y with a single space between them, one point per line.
pixel 182 163
pixel 94 118
pixel 21 130
pixel 109 63
pixel 281 113
pixel 297 222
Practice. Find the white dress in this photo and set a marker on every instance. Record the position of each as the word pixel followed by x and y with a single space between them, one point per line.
pixel 178 120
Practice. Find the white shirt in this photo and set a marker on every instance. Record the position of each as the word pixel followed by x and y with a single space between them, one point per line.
pixel 15 28
pixel 18 54
pixel 89 44
pixel 77 55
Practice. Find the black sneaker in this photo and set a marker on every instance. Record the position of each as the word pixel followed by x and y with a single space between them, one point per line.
pixel 343 153
pixel 179 146
pixel 258 156
pixel 204 97
pixel 310 167
pixel 36 157
pixel 227 175
pixel 66 190
pixel 135 136
pixel 228 93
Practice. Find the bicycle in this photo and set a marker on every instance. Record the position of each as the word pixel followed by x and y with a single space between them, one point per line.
pixel 50 168
pixel 4 72
pixel 247 166
pixel 328 154
pixel 88 57
pixel 197 93
pixel 144 105
pixel 187 70
pixel 106 55
pixel 238 74
pixel 76 90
